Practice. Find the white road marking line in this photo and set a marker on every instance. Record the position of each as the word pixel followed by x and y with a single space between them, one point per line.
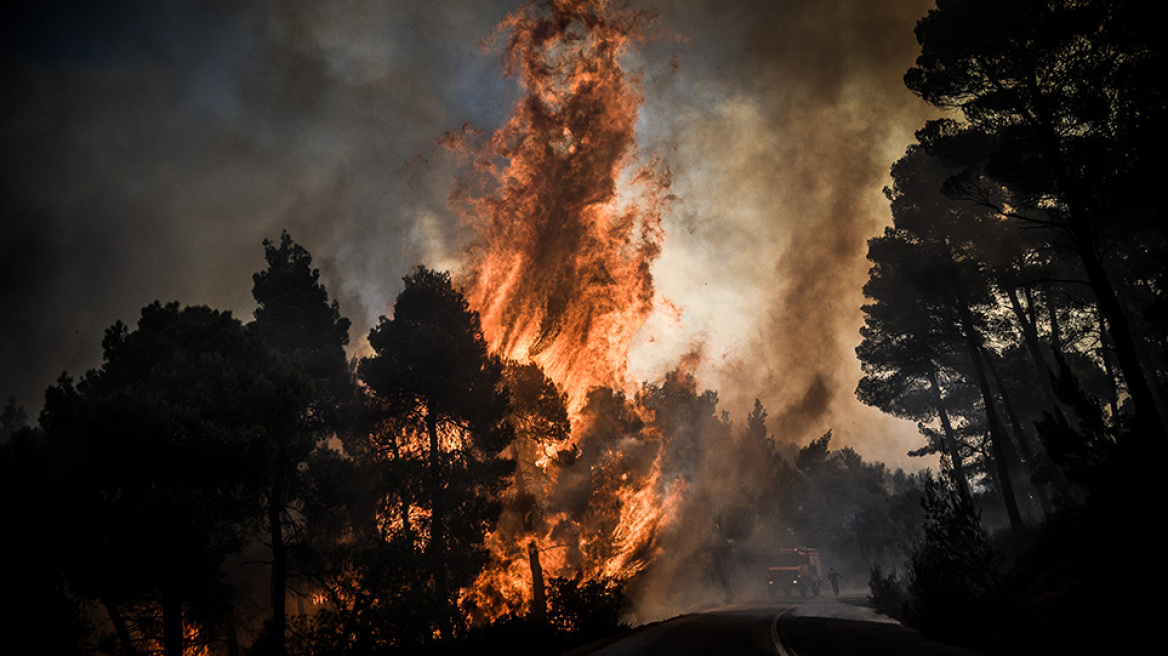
pixel 777 638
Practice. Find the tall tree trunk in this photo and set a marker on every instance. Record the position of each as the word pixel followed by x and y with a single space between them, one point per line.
pixel 403 501
pixel 950 439
pixel 276 502
pixel 1079 227
pixel 538 591
pixel 1056 332
pixel 1046 383
pixel 125 641
pixel 999 443
pixel 1148 419
pixel 1004 456
pixel 1034 348
pixel 1025 443
pixel 1109 369
pixel 437 546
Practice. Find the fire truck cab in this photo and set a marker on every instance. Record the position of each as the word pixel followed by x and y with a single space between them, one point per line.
pixel 794 569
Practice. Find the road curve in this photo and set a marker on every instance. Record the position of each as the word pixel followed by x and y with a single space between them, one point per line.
pixel 824 626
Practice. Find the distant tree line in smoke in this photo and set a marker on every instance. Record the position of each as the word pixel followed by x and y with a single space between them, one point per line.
pixel 1017 309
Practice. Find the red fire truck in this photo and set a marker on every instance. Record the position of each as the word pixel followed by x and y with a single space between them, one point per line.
pixel 796 569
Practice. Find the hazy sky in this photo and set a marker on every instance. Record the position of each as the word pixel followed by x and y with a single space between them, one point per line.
pixel 150 146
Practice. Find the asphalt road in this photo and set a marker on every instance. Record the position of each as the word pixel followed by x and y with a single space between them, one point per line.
pixel 823 626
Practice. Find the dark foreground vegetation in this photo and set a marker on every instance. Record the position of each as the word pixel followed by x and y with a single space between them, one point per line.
pixel 1018 311
pixel 210 472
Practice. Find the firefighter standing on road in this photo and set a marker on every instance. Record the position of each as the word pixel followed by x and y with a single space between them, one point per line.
pixel 835 577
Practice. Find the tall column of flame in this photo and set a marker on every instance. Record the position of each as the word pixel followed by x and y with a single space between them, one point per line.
pixel 568 222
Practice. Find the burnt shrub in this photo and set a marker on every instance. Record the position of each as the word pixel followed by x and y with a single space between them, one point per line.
pixel 588 609
pixel 955 581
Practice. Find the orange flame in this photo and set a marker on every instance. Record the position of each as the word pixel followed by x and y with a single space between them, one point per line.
pixel 568 220
pixel 568 224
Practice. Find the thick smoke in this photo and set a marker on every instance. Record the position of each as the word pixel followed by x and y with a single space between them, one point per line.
pixel 150 148
pixel 783 118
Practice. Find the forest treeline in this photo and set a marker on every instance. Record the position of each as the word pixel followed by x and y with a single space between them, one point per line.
pixel 1017 310
pixel 225 487
pixel 206 459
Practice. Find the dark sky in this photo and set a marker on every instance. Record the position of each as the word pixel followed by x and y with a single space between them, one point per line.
pixel 150 147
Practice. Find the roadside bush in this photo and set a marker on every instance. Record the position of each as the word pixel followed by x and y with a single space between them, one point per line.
pixel 888 593
pixel 954 579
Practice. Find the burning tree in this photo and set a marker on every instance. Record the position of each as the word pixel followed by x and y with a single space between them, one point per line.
pixel 441 396
pixel 296 320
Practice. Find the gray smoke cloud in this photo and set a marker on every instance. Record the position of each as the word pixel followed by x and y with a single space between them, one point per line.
pixel 782 119
pixel 151 146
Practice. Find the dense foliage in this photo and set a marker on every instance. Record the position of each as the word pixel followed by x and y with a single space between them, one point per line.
pixel 1016 305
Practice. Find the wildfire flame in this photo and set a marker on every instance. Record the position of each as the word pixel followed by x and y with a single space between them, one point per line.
pixel 568 223
pixel 568 220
